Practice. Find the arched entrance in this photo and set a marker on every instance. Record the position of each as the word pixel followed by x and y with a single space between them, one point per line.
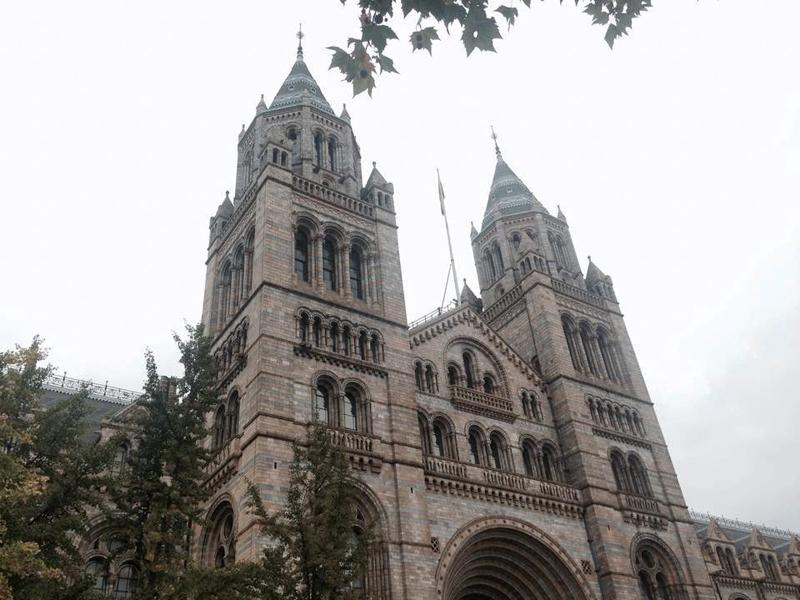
pixel 503 559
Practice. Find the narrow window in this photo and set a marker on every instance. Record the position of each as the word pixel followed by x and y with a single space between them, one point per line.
pixel 423 433
pixel 528 459
pixel 127 580
pixel 346 341
pixel 418 376
pixel 496 447
pixel 498 259
pixel 452 375
pixel 233 415
pixel 438 439
pixel 488 384
pixel 334 337
pixel 474 448
pixel 318 149
pixel 329 264
pixel 375 349
pixel 322 404
pixel 275 155
pixel 429 380
pixel 301 254
pixel 469 369
pixel 356 283
pixel 362 346
pixel 317 328
pixel 96 570
pixel 351 411
pixel 332 153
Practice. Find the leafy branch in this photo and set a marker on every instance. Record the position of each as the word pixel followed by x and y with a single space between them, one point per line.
pixel 477 20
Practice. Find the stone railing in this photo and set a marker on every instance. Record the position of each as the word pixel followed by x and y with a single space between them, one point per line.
pixel 100 391
pixel 482 403
pixel 578 293
pixel 480 483
pixel 333 197
pixel 502 303
pixel 351 440
pixel 639 503
pixel 444 466
pixel 362 450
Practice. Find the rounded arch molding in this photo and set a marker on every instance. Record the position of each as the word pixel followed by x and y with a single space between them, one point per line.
pixel 536 552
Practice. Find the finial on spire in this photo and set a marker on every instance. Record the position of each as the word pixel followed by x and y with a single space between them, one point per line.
pixel 590 258
pixel 374 164
pixel 300 37
pixel 227 195
pixel 496 147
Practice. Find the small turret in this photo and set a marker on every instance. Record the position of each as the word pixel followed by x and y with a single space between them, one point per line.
pixel 469 298
pixel 598 282
pixel 345 116
pixel 561 214
pixel 473 233
pixel 242 132
pixel 219 221
pixel 378 190
pixel 261 107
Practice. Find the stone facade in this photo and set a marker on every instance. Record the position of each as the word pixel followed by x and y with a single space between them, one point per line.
pixel 506 447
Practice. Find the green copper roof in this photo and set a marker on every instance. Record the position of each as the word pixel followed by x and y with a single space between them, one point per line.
pixel 508 195
pixel 297 83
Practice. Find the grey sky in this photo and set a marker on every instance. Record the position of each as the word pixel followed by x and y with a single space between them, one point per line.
pixel 676 159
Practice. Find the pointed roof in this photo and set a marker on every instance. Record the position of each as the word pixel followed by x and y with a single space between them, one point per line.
pixel 757 540
pixel 345 116
pixel 561 214
pixel 594 274
pixel 714 532
pixel 794 545
pixel 377 180
pixel 468 296
pixel 261 106
pixel 298 82
pixel 226 207
pixel 508 194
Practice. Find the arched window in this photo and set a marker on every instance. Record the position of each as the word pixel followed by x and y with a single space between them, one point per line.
pixel 606 354
pixel 498 260
pixel 375 349
pixel 489 386
pixel 284 159
pixel 550 466
pixel 219 427
pixel 352 409
pixel 569 334
pixel 225 291
pixel 304 327
pixel 452 375
pixel 476 446
pixel 332 146
pixel 430 380
pixel 275 153
pixel 356 273
pixel 347 340
pixel 640 483
pixel 536 407
pixel 620 470
pixel 424 433
pixel 362 345
pixel 469 369
pixel 318 149
pixel 587 342
pixel 731 560
pixel 322 404
pixel 97 570
pixel 497 448
pixel 127 582
pixel 247 280
pixel 526 404
pixel 233 414
pixel 722 561
pixel 515 241
pixel 316 329
pixel 120 464
pixel 219 541
pixel 658 578
pixel 238 277
pixel 529 458
pixel 301 254
pixel 418 375
pixel 334 337
pixel 439 439
pixel 329 264
pixel 488 265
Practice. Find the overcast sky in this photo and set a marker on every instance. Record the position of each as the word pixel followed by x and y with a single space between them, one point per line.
pixel 676 159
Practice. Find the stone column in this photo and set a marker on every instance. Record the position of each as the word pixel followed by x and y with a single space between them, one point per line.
pixel 346 271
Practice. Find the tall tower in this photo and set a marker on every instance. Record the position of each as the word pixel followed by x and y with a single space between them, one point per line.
pixel 572 331
pixel 304 300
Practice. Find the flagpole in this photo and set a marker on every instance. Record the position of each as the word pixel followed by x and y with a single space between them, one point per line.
pixel 449 242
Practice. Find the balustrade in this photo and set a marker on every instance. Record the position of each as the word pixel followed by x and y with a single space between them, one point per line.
pixel 351 440
pixel 482 403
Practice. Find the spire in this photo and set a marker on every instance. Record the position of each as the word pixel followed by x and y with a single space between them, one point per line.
pixel 261 106
pixel 298 83
pixel 300 37
pixel 561 214
pixel 496 147
pixel 225 209
pixel 508 194
pixel 468 297
pixel 473 233
pixel 714 532
pixel 345 116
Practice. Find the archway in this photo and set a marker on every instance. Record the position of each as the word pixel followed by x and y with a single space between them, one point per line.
pixel 502 559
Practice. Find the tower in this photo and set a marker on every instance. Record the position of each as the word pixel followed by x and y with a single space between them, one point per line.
pixel 572 331
pixel 304 301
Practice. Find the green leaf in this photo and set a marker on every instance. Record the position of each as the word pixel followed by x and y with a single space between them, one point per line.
pixel 480 31
pixel 611 35
pixel 377 35
pixel 510 14
pixel 386 64
pixel 422 39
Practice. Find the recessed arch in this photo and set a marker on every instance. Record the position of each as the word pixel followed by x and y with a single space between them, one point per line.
pixel 501 558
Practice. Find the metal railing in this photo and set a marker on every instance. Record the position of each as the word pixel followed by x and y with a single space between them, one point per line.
pixel 705 517
pixel 434 314
pixel 100 391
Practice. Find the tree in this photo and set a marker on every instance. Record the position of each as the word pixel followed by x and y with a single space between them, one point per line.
pixel 160 494
pixel 475 18
pixel 314 551
pixel 49 480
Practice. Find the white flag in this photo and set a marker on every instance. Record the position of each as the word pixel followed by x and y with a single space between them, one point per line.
pixel 441 190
